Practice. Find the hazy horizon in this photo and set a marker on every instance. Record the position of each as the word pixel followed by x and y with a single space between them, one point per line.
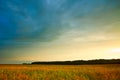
pixel 59 30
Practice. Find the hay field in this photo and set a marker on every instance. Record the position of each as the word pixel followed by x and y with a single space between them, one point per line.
pixel 60 72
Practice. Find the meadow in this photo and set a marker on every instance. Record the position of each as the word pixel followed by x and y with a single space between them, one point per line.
pixel 60 72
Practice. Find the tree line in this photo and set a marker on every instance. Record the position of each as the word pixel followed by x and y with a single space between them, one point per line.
pixel 80 62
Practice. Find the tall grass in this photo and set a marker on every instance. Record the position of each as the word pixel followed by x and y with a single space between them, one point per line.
pixel 60 72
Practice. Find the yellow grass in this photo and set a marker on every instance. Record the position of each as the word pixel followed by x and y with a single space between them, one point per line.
pixel 60 72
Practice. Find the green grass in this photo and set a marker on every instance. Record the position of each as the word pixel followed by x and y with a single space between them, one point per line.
pixel 60 72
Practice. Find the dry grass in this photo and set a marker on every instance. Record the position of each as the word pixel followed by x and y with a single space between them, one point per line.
pixel 60 72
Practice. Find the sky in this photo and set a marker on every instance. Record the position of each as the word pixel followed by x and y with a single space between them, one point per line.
pixel 59 30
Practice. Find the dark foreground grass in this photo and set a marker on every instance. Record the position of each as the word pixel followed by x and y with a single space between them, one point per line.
pixel 60 72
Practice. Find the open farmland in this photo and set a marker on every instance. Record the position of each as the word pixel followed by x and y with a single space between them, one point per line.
pixel 60 72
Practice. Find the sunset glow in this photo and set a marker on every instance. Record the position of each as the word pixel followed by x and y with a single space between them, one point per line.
pixel 115 50
pixel 55 30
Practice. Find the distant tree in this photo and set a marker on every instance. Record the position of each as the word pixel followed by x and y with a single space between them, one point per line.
pixel 79 62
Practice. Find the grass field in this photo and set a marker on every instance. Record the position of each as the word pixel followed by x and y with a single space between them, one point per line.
pixel 60 72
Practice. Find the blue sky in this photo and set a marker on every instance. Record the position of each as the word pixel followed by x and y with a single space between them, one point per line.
pixel 58 28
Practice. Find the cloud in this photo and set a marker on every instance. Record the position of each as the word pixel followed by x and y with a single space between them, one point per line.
pixel 51 22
